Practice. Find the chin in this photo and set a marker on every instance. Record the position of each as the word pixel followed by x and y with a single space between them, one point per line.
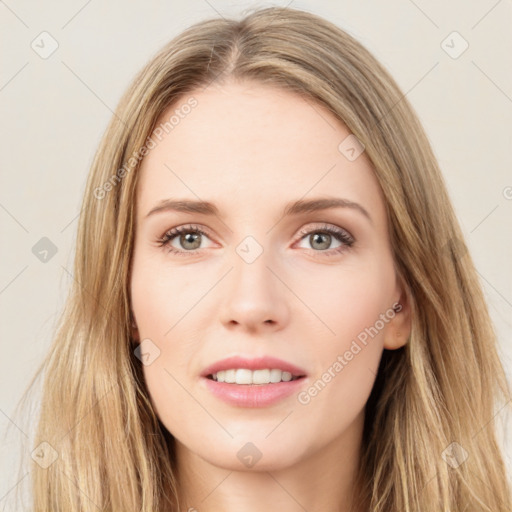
pixel 250 453
pixel 270 460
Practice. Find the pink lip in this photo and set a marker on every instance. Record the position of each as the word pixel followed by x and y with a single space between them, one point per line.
pixel 253 395
pixel 259 363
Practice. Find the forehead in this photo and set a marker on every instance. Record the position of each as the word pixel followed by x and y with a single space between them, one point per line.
pixel 250 140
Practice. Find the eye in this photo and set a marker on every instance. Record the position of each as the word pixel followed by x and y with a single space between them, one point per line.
pixel 321 239
pixel 188 237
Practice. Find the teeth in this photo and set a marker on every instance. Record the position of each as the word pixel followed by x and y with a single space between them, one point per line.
pixel 244 376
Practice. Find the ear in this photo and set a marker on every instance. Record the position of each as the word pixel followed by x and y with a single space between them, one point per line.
pixel 398 329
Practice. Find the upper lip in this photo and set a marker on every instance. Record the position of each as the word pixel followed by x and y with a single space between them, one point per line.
pixel 259 363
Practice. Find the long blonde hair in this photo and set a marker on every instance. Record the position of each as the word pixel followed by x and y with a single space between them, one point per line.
pixel 429 440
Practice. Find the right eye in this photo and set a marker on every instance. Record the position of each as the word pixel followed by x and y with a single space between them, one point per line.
pixel 189 237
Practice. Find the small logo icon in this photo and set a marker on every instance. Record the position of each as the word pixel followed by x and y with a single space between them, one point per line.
pixel 44 250
pixel 454 455
pixel 249 455
pixel 147 352
pixel 249 249
pixel 44 455
pixel 44 45
pixel 455 246
pixel 454 45
pixel 351 147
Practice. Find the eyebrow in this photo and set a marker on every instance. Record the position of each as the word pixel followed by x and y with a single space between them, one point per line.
pixel 298 207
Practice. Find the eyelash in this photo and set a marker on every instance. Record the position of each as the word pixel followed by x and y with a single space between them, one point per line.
pixel 339 234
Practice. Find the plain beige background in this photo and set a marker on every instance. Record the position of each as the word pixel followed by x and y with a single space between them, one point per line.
pixel 55 107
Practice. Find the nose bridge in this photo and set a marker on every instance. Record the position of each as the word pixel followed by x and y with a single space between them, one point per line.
pixel 251 262
pixel 254 295
pixel 252 278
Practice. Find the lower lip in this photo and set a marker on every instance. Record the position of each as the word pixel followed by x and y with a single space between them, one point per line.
pixel 253 395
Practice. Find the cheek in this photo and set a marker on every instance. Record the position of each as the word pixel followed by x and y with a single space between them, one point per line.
pixel 163 302
pixel 347 302
pixel 161 295
pixel 351 306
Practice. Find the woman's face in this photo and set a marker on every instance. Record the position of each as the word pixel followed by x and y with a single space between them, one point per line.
pixel 263 276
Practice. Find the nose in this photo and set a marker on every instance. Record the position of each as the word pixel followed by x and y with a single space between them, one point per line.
pixel 255 300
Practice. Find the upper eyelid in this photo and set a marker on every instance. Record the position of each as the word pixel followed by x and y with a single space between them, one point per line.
pixel 302 232
pixel 327 226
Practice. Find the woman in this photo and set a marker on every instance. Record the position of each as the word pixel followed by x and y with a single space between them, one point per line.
pixel 273 304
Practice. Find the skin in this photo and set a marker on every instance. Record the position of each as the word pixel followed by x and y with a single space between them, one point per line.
pixel 250 149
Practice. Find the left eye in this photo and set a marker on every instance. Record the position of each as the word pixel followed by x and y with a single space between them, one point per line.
pixel 322 238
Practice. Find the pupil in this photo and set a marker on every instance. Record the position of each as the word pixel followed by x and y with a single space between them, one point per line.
pixel 325 244
pixel 192 238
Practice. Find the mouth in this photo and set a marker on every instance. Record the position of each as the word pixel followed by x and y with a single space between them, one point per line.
pixel 245 376
pixel 247 371
pixel 257 382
